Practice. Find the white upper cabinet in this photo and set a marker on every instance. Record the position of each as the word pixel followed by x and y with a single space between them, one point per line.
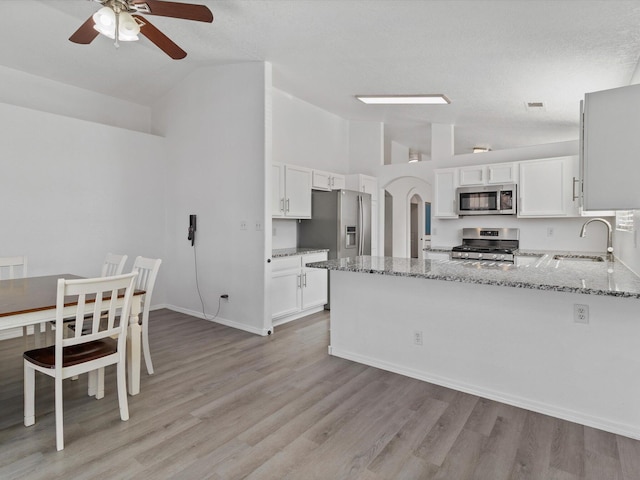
pixel 291 191
pixel 446 182
pixel 547 188
pixel 363 183
pixel 611 141
pixel 488 174
pixel 502 173
pixel 327 181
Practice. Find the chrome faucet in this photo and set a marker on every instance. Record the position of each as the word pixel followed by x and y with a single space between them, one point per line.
pixel 583 233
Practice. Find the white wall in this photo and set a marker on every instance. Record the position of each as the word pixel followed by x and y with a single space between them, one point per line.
pixel 215 126
pixel 74 190
pixel 366 147
pixel 402 189
pixel 23 89
pixel 308 136
pixel 399 153
pixel 285 233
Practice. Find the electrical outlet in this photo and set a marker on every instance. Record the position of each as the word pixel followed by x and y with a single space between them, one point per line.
pixel 243 224
pixel 549 231
pixel 417 337
pixel 580 313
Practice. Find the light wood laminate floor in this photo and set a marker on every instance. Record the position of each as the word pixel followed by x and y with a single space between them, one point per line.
pixel 225 404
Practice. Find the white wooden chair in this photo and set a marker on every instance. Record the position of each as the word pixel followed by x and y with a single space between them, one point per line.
pixel 104 344
pixel 15 267
pixel 113 264
pixel 147 269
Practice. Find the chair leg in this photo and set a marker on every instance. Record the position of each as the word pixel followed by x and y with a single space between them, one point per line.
pixel 99 383
pixel 145 348
pixel 29 395
pixel 59 414
pixel 122 391
pixel 92 381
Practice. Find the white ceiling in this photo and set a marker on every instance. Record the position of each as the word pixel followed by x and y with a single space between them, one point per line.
pixel 488 57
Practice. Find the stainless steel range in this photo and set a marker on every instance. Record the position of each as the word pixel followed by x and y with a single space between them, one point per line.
pixel 495 244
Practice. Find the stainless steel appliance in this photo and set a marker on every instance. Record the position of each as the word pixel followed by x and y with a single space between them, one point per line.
pixel 340 221
pixel 494 244
pixel 487 200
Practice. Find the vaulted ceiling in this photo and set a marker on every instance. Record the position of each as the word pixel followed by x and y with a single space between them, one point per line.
pixel 490 57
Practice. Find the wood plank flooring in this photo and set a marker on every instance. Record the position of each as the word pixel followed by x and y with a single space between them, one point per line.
pixel 225 405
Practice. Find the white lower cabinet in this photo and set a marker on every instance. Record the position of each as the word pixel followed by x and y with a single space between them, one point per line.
pixel 297 290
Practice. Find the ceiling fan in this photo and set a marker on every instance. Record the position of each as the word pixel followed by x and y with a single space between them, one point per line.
pixel 119 20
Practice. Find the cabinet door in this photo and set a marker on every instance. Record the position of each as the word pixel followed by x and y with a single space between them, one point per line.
pixel 337 182
pixel 502 173
pixel 472 175
pixel 298 192
pixel 546 188
pixel 321 180
pixel 314 282
pixel 445 194
pixel 610 149
pixel 277 190
pixel 285 292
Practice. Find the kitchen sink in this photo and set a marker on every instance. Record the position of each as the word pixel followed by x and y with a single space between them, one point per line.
pixel 579 258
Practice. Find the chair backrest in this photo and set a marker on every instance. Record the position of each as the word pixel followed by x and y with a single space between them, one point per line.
pixel 147 269
pixel 13 267
pixel 113 264
pixel 95 297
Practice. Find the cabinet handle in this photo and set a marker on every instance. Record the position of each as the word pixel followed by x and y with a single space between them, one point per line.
pixel 282 204
pixel 287 205
pixel 299 281
pixel 332 181
pixel 304 278
pixel 575 180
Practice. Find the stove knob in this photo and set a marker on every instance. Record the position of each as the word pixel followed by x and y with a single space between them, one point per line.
pixel 479 256
pixel 495 257
pixel 466 255
pixel 501 257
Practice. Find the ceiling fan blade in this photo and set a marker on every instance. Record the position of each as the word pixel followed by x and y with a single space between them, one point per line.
pixel 86 33
pixel 163 42
pixel 186 11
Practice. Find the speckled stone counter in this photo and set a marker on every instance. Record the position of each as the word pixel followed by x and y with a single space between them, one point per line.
pixel 289 252
pixel 529 271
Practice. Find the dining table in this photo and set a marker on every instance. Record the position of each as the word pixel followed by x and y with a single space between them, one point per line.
pixel 31 301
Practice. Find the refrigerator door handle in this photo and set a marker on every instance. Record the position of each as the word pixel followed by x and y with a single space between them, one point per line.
pixel 360 226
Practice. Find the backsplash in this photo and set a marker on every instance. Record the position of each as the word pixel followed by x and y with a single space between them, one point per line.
pixel 284 233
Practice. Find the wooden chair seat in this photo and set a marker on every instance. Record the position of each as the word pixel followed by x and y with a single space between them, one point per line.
pixel 73 354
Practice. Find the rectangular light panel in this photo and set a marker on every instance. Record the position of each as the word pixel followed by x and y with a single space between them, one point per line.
pixel 437 99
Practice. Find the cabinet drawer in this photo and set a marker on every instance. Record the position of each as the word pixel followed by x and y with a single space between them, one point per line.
pixel 285 263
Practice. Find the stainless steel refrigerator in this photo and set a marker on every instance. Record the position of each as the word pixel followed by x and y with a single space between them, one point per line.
pixel 340 221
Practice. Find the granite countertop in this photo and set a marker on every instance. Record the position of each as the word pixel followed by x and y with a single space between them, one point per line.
pixel 290 252
pixel 539 272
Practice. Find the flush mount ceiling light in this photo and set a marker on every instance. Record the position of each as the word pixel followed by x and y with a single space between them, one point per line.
pixel 427 99
pixel 414 156
pixel 481 149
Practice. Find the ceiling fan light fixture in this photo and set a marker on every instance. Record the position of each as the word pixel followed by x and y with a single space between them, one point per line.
pixel 105 23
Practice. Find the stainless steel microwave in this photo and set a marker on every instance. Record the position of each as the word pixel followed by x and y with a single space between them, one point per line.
pixel 487 200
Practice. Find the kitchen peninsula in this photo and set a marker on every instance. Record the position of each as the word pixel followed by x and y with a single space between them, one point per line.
pixel 508 333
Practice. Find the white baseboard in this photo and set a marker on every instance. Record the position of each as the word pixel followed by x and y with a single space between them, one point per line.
pixel 222 321
pixel 296 316
pixel 546 409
